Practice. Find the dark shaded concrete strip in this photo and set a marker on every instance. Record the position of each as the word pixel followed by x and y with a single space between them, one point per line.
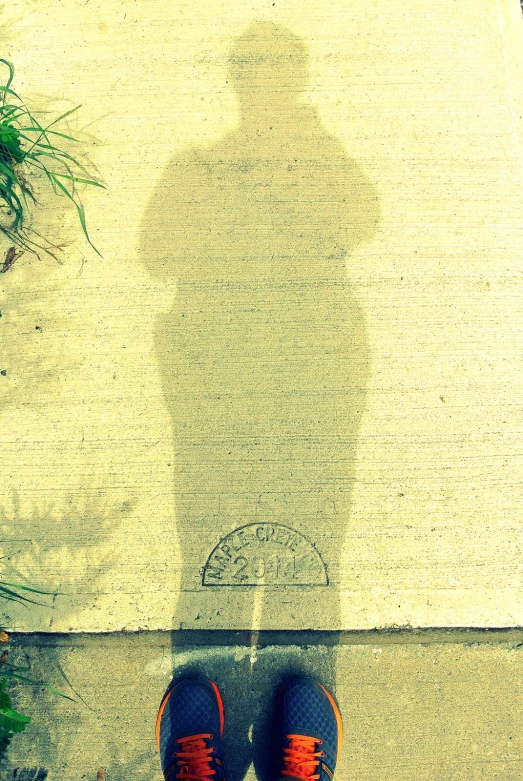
pixel 430 705
pixel 210 637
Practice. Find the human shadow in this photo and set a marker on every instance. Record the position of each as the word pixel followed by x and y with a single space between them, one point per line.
pixel 264 356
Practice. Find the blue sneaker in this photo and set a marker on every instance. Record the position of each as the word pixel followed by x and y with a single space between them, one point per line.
pixel 189 727
pixel 309 730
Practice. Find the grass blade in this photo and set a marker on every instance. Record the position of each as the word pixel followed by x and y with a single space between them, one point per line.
pixel 27 588
pixel 11 71
pixel 51 132
pixel 44 130
pixel 79 208
pixel 15 676
pixel 57 153
pixel 6 90
pixel 8 173
pixel 82 181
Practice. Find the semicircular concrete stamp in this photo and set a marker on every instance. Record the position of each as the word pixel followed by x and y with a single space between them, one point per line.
pixel 265 554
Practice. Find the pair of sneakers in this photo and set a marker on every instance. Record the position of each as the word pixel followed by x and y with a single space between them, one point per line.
pixel 190 724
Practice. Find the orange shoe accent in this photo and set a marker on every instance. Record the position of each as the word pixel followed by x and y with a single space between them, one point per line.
pixel 194 760
pixel 299 757
pixel 159 716
pixel 338 719
pixel 220 706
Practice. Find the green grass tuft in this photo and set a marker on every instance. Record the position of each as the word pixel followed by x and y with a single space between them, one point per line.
pixel 11 722
pixel 27 146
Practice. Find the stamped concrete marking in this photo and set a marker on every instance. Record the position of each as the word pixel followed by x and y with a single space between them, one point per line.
pixel 265 554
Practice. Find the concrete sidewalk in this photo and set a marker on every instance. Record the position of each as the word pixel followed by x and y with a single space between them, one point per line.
pixel 288 397
pixel 429 706
pixel 299 359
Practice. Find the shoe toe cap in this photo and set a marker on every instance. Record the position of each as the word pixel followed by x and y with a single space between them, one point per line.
pixel 191 710
pixel 305 709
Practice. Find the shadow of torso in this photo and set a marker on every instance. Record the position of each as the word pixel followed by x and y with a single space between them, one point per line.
pixel 264 356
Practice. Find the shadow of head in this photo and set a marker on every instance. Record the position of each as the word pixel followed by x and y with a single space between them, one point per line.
pixel 268 64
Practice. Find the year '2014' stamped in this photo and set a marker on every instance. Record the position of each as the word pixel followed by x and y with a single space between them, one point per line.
pixel 265 554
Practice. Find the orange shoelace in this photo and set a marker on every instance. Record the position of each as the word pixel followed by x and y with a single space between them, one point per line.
pixel 299 757
pixel 194 760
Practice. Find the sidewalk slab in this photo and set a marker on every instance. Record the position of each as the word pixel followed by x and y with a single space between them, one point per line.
pixel 430 711
pixel 289 394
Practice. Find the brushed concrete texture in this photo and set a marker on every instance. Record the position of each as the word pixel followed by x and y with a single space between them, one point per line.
pixel 289 394
pixel 431 712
